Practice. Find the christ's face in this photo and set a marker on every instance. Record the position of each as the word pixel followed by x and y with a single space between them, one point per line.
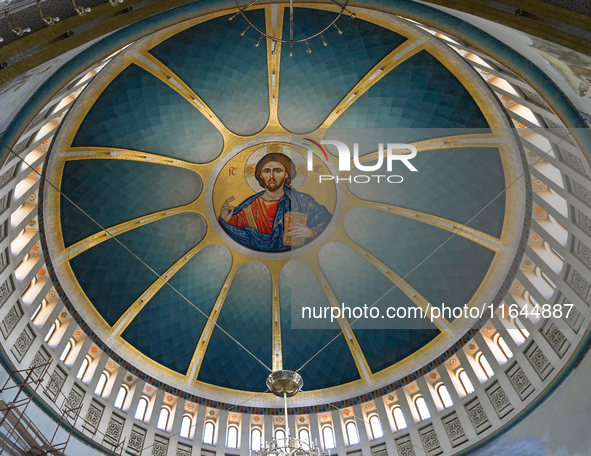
pixel 273 175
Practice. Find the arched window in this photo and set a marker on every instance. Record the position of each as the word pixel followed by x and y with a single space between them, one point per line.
pixel 522 329
pixel 279 434
pixel 142 407
pixel 186 424
pixel 548 280
pixel 256 438
pixel 100 387
pixel 553 250
pixel 328 437
pixel 376 427
pixel 485 366
pixel 163 418
pixel 121 396
pixel 444 396
pixel 465 381
pixel 399 421
pixel 232 437
pixel 422 408
pixel 304 435
pixel 352 434
pixel 51 331
pixel 67 350
pixel 531 299
pixel 507 353
pixel 83 368
pixel 208 431
pixel 37 310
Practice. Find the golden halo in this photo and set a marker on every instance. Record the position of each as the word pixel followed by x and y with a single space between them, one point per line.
pixel 289 150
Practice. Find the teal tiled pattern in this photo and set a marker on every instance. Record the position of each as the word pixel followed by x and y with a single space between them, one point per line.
pixel 168 328
pixel 113 278
pixel 456 184
pixel 419 99
pixel 115 191
pixel 247 316
pixel 224 68
pixel 299 286
pixel 451 275
pixel 312 85
pixel 356 282
pixel 138 111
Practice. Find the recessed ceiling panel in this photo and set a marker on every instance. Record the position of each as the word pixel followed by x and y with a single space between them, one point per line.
pixel 98 194
pixel 138 111
pixel 158 330
pixel 313 84
pixel 113 274
pixel 224 68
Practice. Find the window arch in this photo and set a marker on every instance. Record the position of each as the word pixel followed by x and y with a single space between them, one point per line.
pixel 83 368
pixel 51 331
pixel 279 434
pixel 67 350
pixel 444 396
pixel 208 432
pixel 232 441
pixel 352 434
pixel 553 250
pixel 100 387
pixel 376 427
pixel 121 396
pixel 142 408
pixel 522 329
pixel 422 408
pixel 465 382
pixel 304 435
pixel 547 279
pixel 485 365
pixel 256 437
pixel 328 438
pixel 399 421
pixel 186 424
pixel 163 418
pixel 38 310
pixel 505 350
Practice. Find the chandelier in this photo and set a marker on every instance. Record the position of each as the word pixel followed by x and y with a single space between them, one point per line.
pixel 278 39
pixel 285 383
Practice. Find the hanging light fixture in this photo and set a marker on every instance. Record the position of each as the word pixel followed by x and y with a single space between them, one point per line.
pixel 49 20
pixel 80 10
pixel 284 384
pixel 291 41
pixel 19 31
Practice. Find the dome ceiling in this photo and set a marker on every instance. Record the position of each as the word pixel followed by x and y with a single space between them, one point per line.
pixel 173 128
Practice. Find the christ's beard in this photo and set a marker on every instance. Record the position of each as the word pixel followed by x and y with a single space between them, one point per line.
pixel 273 186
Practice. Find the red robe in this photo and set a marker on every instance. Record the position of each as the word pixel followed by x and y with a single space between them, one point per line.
pixel 260 214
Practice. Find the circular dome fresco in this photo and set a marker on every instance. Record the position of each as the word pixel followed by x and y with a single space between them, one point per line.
pixel 217 195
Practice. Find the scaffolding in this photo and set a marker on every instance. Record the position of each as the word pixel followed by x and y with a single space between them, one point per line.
pixel 18 433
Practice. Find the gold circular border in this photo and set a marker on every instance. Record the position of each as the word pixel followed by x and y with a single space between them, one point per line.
pixel 137 54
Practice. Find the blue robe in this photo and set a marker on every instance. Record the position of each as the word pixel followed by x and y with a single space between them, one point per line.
pixel 318 218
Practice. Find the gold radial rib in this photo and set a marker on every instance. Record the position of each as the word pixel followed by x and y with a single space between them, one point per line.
pixel 354 347
pixel 417 298
pixel 446 142
pixel 490 242
pixel 274 27
pixel 90 153
pixel 147 295
pixel 197 358
pixel 277 348
pixel 387 64
pixel 106 234
pixel 154 66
